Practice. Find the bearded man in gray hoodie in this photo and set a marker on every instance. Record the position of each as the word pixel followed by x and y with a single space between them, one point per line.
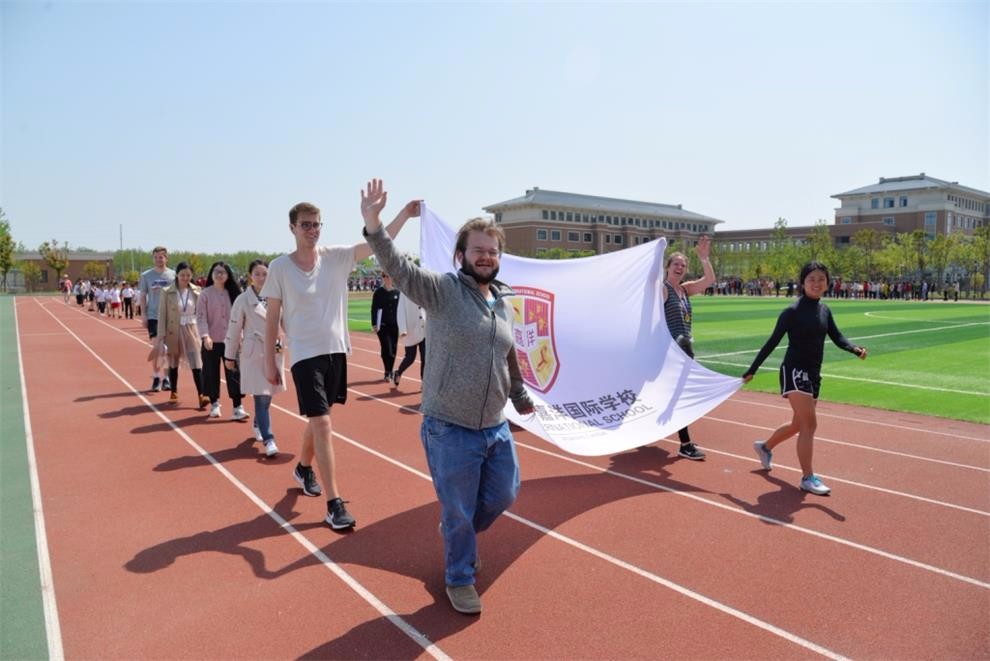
pixel 468 443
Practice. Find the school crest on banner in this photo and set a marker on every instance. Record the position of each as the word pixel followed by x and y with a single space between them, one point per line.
pixel 536 347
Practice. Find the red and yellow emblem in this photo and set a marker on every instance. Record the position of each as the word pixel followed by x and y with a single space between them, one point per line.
pixel 533 333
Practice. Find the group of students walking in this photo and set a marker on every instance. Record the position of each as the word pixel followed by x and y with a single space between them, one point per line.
pixel 300 301
pixel 212 329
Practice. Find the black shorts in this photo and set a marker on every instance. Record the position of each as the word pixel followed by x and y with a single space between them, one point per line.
pixel 321 382
pixel 798 379
pixel 152 329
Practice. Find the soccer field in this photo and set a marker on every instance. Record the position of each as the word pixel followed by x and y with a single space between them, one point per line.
pixel 931 358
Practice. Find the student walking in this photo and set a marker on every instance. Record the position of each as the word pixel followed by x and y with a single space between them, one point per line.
pixel 677 311
pixel 246 337
pixel 471 375
pixel 150 285
pixel 412 334
pixel 127 297
pixel 179 332
pixel 306 291
pixel 806 322
pixel 213 317
pixel 384 307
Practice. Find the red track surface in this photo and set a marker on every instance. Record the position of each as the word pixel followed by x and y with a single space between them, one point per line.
pixel 158 554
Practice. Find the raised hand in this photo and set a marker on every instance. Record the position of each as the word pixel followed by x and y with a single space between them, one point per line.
pixel 704 247
pixel 373 200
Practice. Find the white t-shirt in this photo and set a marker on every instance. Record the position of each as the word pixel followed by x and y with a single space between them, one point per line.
pixel 314 303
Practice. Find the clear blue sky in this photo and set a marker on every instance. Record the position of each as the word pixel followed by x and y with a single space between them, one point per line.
pixel 197 125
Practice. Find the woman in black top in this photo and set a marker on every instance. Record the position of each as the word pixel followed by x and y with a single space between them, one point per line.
pixel 677 311
pixel 806 323
pixel 384 310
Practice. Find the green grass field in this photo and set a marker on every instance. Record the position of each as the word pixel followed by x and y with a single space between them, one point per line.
pixel 931 358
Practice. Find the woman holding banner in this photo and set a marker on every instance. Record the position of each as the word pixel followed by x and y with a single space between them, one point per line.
pixel 677 310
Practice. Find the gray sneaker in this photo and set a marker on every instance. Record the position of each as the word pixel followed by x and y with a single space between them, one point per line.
pixel 814 485
pixel 766 457
pixel 464 599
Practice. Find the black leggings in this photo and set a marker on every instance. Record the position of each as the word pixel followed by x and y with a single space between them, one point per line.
pixel 410 356
pixel 211 375
pixel 388 337
pixel 173 379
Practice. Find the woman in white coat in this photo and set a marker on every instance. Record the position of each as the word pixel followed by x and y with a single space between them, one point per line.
pixel 246 334
pixel 412 334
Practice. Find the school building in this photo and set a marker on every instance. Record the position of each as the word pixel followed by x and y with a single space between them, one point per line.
pixel 49 280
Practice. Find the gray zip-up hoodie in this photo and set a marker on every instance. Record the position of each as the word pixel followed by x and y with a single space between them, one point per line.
pixel 472 369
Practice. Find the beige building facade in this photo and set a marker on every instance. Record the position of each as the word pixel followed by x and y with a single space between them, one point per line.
pixel 542 220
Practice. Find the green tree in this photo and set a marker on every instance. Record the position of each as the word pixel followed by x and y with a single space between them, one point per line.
pixel 57 258
pixel 981 249
pixel 782 258
pixel 919 250
pixel 820 246
pixel 870 242
pixel 31 273
pixel 7 249
pixel 941 249
pixel 94 270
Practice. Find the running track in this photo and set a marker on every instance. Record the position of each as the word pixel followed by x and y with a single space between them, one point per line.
pixel 170 536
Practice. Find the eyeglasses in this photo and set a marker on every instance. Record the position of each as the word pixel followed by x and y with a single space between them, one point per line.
pixel 307 225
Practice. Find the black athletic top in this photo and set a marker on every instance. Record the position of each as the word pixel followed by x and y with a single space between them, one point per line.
pixel 385 302
pixel 806 321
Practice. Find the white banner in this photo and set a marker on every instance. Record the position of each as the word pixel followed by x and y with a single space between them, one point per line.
pixel 594 347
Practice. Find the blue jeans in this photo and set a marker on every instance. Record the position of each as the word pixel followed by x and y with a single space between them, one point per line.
pixel 262 416
pixel 476 477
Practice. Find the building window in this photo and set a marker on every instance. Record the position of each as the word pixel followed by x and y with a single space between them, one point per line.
pixel 553 215
pixel 888 203
pixel 875 203
pixel 930 218
pixel 587 237
pixel 889 220
pixel 618 239
pixel 601 219
pixel 903 201
pixel 570 217
pixel 555 235
pixel 498 217
pixel 573 236
pixel 44 275
pixel 843 239
pixel 546 215
pixel 541 235
pixel 608 238
pixel 847 220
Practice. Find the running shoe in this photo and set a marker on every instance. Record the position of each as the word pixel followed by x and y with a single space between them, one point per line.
pixel 215 410
pixel 156 384
pixel 166 384
pixel 239 414
pixel 814 485
pixel 257 434
pixel 766 456
pixel 307 480
pixel 270 448
pixel 337 515
pixel 691 451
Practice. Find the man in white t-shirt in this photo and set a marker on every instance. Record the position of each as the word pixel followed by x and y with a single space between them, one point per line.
pixel 307 289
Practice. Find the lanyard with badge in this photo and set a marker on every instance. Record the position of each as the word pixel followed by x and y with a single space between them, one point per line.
pixel 186 318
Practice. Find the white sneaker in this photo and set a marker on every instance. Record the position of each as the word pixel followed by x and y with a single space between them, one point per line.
pixel 270 448
pixel 766 456
pixel 257 434
pixel 215 410
pixel 814 485
pixel 239 414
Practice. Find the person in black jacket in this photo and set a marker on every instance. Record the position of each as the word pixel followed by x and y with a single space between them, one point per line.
pixel 384 319
pixel 806 322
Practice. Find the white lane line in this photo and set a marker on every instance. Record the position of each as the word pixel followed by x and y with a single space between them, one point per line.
pixel 861 337
pixel 53 630
pixel 884 317
pixel 899 384
pixel 820 414
pixel 838 540
pixel 368 596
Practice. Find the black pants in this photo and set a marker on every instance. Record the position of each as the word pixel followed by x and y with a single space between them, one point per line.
pixel 173 379
pixel 683 434
pixel 410 356
pixel 128 308
pixel 211 375
pixel 388 337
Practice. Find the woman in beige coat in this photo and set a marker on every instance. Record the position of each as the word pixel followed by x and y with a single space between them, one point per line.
pixel 178 331
pixel 246 334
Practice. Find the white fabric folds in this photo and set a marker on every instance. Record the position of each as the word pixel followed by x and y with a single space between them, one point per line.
pixel 594 348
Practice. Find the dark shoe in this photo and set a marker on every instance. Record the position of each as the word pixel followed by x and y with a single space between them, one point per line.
pixel 156 384
pixel 388 376
pixel 337 515
pixel 395 378
pixel 307 480
pixel 691 451
pixel 166 384
pixel 204 401
pixel 464 599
